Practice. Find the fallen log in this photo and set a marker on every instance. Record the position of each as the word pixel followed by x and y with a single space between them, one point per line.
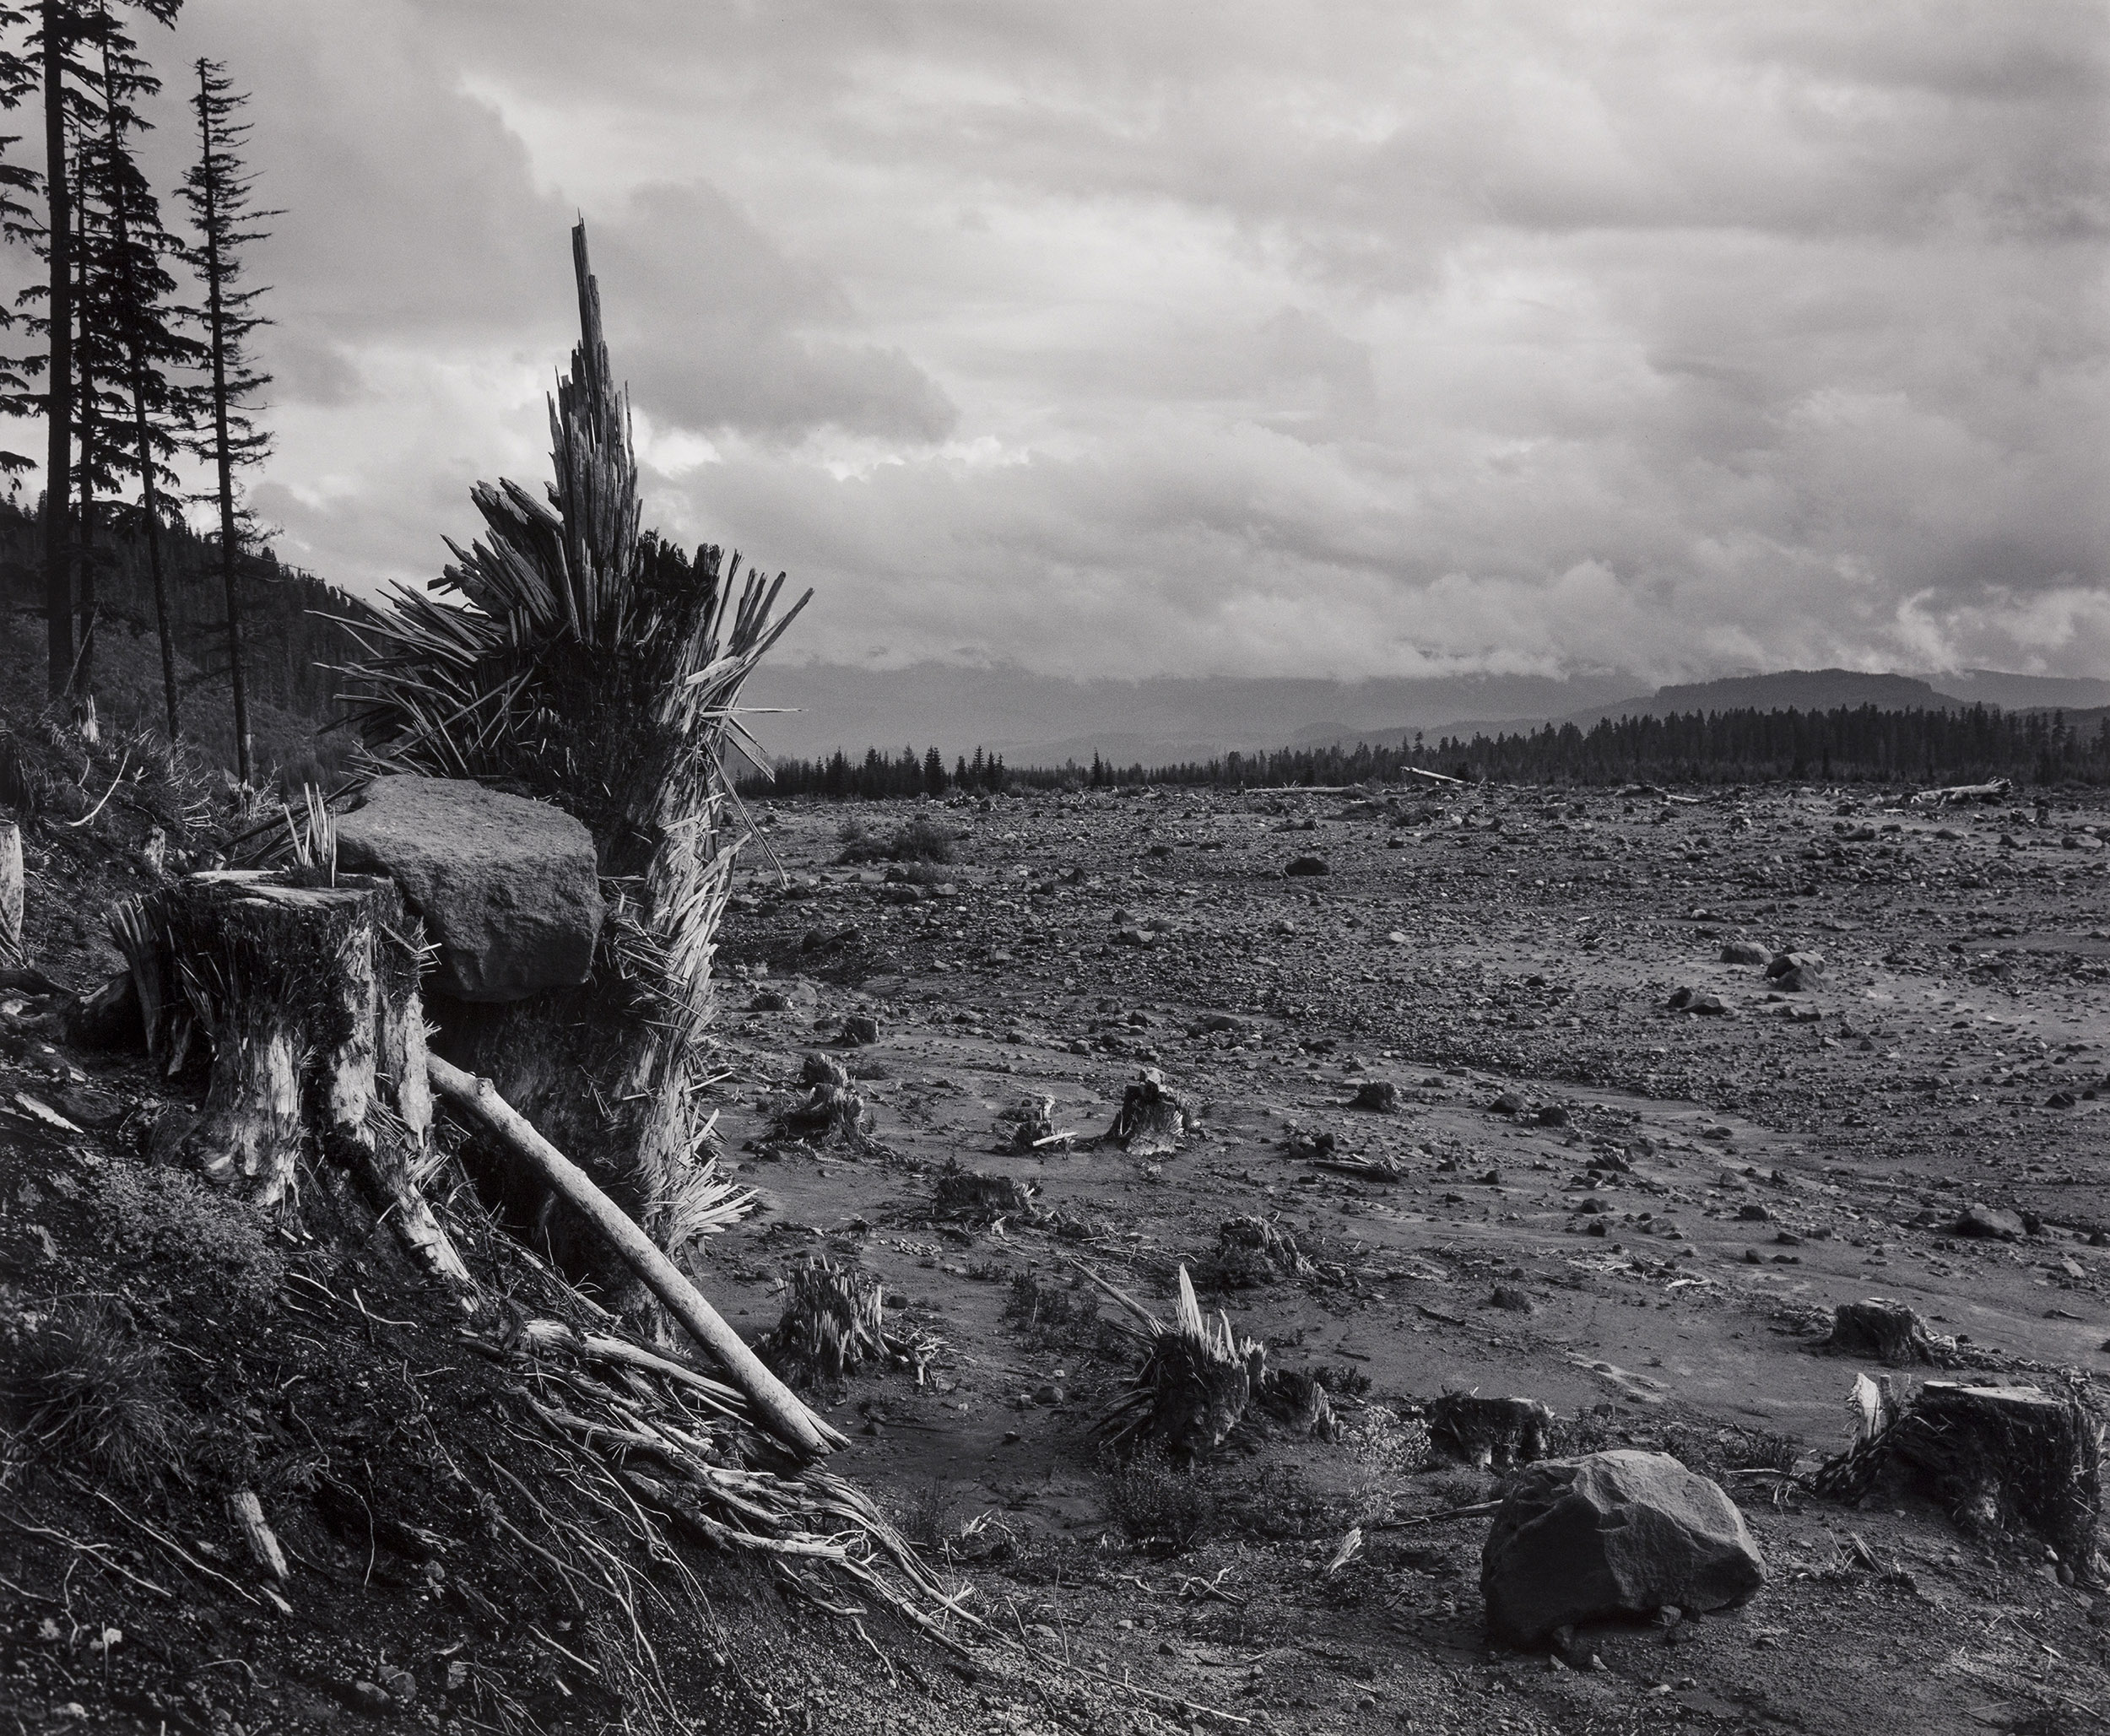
pixel 776 1405
pixel 11 887
pixel 1993 791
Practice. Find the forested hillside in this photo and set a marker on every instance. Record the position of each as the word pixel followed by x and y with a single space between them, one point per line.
pixel 290 639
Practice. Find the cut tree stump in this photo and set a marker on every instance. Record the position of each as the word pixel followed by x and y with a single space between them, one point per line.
pixel 1999 1458
pixel 307 995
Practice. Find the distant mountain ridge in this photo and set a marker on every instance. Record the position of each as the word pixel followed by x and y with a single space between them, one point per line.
pixel 1042 720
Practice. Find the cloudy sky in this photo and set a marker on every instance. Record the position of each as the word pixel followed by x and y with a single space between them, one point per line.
pixel 1416 337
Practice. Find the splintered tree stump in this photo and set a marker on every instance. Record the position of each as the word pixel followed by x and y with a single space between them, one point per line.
pixel 308 997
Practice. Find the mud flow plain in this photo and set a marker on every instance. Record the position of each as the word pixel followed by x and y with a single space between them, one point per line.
pixel 1639 1213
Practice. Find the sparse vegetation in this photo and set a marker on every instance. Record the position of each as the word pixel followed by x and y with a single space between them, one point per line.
pixel 918 839
pixel 1157 1503
pixel 89 1391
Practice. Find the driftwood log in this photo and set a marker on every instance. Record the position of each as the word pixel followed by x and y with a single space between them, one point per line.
pixel 1993 792
pixel 307 997
pixel 775 1404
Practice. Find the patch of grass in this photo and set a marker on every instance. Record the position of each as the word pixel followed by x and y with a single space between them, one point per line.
pixel 1342 1380
pixel 916 839
pixel 1460 1487
pixel 1039 1302
pixel 1277 1501
pixel 1589 1431
pixel 1712 1452
pixel 89 1393
pixel 1156 1504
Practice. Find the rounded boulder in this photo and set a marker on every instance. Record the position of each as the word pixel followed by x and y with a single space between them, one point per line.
pixel 1612 1535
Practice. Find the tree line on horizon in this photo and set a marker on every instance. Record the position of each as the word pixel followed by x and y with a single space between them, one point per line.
pixel 1843 744
pixel 139 342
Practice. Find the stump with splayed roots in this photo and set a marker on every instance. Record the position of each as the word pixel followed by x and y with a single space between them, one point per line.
pixel 306 996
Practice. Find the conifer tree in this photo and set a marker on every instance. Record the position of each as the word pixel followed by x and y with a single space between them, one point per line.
pixel 139 329
pixel 63 66
pixel 219 189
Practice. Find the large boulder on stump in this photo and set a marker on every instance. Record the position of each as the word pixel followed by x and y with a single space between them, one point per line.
pixel 509 889
pixel 1612 1535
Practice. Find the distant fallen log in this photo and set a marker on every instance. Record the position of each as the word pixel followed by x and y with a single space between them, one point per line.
pixel 1998 790
pixel 776 1405
pixel 11 891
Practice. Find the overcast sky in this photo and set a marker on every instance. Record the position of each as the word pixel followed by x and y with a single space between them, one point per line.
pixel 1419 336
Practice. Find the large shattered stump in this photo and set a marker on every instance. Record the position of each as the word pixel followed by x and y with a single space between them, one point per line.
pixel 2006 1458
pixel 307 995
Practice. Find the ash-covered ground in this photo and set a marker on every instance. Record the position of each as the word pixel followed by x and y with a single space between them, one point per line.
pixel 1670 1199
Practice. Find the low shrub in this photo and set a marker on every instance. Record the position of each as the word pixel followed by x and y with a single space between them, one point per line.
pixel 1156 1504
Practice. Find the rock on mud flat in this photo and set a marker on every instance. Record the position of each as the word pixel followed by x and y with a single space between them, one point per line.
pixel 509 888
pixel 1619 1533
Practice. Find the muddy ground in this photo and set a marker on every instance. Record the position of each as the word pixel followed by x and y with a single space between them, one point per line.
pixel 1670 1201
pixel 1506 960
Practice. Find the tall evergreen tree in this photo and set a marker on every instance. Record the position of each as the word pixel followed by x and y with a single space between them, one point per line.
pixel 219 189
pixel 64 52
pixel 19 75
pixel 138 328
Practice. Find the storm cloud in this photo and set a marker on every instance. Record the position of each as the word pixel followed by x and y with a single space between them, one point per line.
pixel 1348 340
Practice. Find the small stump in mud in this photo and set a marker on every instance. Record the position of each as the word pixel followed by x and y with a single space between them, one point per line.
pixel 1889 1331
pixel 1193 1388
pixel 1152 1118
pixel 1490 1431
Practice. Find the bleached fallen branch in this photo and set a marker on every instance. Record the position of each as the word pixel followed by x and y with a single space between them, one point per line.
pixel 775 1406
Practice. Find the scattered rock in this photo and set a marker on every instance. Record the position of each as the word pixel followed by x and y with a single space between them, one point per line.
pixel 1793 972
pixel 1614 1534
pixel 1744 952
pixel 1301 866
pixel 860 1029
pixel 1376 1094
pixel 1990 1224
pixel 509 889
pixel 1515 1300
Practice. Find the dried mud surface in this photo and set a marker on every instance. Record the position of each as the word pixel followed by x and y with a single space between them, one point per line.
pixel 1504 961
